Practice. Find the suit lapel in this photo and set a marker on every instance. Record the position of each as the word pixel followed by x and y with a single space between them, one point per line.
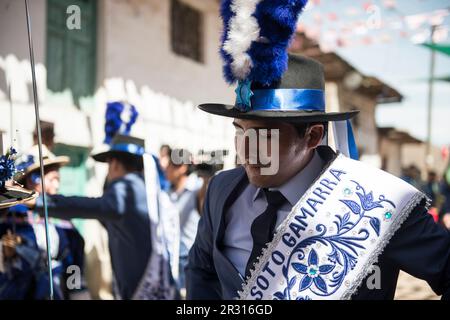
pixel 230 194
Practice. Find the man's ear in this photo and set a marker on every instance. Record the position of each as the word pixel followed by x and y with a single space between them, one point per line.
pixel 315 135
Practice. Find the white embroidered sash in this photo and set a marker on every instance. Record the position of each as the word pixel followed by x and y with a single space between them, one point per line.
pixel 329 242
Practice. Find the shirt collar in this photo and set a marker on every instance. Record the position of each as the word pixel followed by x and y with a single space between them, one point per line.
pixel 293 189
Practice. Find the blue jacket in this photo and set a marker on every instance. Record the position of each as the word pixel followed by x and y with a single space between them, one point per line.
pixel 420 247
pixel 17 284
pixel 123 211
pixel 27 277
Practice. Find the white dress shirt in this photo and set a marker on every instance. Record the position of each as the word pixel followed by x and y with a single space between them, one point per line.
pixel 238 242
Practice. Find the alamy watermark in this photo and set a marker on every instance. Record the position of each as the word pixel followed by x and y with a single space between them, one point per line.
pixel 253 148
pixel 259 147
pixel 73 21
pixel 73 281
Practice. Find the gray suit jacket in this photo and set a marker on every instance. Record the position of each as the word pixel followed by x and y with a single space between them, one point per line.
pixel 420 247
pixel 209 274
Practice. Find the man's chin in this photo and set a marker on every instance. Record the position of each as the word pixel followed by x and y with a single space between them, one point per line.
pixel 257 178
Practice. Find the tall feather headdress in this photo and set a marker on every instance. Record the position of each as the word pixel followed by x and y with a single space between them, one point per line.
pixel 273 85
pixel 256 37
pixel 119 118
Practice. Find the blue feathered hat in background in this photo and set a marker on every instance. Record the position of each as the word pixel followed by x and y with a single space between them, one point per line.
pixel 119 119
pixel 271 84
pixel 11 195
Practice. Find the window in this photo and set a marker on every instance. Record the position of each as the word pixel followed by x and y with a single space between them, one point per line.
pixel 71 54
pixel 186 31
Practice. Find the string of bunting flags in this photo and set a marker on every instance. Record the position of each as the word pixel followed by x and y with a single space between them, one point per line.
pixel 371 23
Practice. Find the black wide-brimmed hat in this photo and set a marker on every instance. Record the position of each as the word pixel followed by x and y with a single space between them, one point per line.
pixel 11 196
pixel 122 145
pixel 298 97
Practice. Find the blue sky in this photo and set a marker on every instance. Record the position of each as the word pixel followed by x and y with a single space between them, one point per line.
pixel 400 63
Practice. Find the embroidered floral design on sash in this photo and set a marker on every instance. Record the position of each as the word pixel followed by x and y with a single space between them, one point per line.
pixel 343 255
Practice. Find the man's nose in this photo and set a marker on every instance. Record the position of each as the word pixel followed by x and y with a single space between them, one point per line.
pixel 247 149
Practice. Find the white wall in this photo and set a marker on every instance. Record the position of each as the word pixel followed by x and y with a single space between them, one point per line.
pixel 137 46
pixel 366 134
pixel 15 70
pixel 13 28
pixel 167 87
pixel 392 153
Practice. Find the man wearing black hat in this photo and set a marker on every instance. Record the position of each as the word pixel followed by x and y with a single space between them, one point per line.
pixel 298 221
pixel 140 261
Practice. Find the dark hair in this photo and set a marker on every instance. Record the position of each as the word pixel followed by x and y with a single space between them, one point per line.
pixel 165 147
pixel 302 127
pixel 130 162
pixel 181 157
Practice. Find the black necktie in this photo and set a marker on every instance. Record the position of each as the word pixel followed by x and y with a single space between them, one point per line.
pixel 263 226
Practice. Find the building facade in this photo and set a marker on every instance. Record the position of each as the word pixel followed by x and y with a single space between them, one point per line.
pixel 159 55
pixel 348 89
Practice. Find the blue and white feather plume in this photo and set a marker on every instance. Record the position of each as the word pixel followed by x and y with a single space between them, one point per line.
pixel 256 37
pixel 119 119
